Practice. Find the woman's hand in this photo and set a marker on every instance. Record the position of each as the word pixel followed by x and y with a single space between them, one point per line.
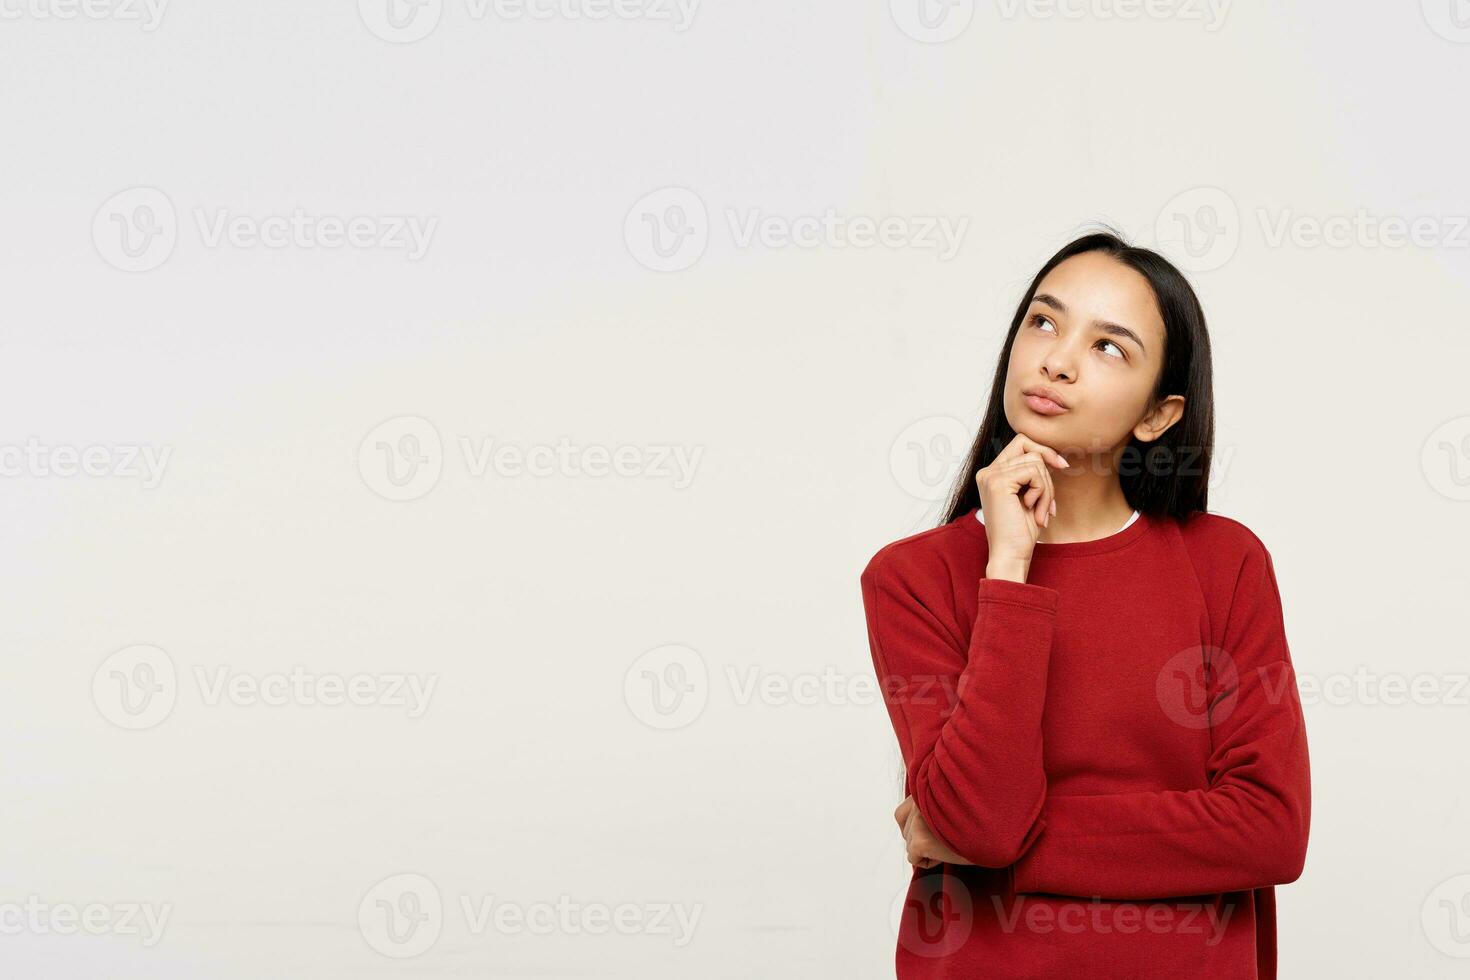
pixel 925 850
pixel 1017 500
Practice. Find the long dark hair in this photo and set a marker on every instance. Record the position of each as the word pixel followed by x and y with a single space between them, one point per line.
pixel 1167 477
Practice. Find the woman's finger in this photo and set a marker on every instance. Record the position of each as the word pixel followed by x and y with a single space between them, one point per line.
pixel 1047 496
pixel 1031 472
pixel 1041 511
pixel 1025 444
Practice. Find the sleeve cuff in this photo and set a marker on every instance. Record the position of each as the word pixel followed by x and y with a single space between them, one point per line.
pixel 1037 597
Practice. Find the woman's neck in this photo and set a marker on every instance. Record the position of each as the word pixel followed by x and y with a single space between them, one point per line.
pixel 1090 502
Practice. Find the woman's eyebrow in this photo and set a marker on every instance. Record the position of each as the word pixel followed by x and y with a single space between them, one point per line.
pixel 1106 326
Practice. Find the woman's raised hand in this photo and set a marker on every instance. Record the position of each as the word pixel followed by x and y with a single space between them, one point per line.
pixel 1017 500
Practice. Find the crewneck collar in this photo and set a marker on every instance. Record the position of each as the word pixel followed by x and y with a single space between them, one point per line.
pixel 1071 549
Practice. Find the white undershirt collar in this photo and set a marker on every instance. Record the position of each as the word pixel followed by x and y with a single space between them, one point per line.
pixel 1123 528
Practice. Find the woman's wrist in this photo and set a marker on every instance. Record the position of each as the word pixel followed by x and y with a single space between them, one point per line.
pixel 1011 569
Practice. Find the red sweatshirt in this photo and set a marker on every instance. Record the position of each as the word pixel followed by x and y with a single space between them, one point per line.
pixel 1116 744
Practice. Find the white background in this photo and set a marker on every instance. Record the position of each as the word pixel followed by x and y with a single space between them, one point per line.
pixel 800 375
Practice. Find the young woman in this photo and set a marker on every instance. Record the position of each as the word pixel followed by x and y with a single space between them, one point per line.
pixel 1106 762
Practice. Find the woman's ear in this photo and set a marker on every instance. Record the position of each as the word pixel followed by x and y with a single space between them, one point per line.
pixel 1157 421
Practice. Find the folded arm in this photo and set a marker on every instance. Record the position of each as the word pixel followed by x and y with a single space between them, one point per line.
pixel 966 709
pixel 1247 830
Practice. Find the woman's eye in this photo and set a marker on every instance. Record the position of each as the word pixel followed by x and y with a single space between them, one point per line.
pixel 1109 343
pixel 1038 319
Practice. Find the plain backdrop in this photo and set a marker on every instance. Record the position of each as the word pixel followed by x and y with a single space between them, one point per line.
pixel 650 240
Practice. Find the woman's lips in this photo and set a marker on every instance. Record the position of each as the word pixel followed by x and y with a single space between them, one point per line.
pixel 1043 406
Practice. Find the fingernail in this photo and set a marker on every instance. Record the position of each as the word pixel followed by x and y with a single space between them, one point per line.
pixel 1053 506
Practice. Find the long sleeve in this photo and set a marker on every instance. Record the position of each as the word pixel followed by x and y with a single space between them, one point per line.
pixel 1247 830
pixel 967 710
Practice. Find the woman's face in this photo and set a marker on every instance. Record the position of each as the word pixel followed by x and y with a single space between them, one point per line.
pixel 1093 336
